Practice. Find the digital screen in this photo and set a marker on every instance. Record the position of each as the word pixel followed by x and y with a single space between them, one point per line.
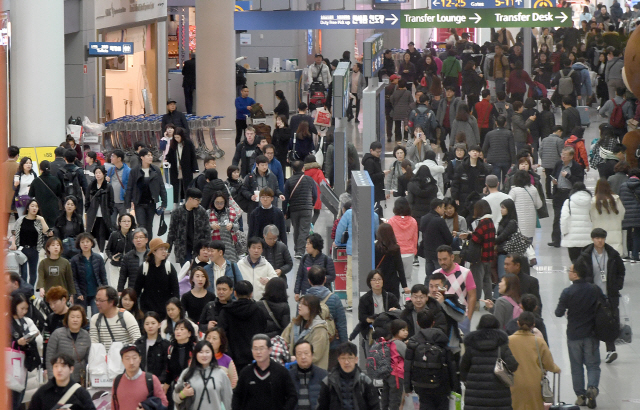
pixel 373 54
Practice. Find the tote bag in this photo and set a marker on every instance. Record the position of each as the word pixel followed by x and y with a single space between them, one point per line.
pixel 15 371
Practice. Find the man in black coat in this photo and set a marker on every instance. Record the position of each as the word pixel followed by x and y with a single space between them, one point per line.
pixel 570 117
pixel 420 302
pixel 302 115
pixel 300 195
pixel 435 232
pixel 58 162
pixel 519 266
pixel 174 117
pixel 189 81
pixel 372 164
pixel 566 173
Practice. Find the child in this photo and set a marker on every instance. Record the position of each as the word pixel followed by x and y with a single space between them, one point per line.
pixel 392 387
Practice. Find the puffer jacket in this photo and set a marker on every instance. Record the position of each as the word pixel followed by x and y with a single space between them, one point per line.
pixel 520 127
pixel 527 200
pixel 583 70
pixel 304 196
pixel 119 244
pixel 256 182
pixel 317 335
pixel 61 341
pixel 420 199
pixel 575 221
pixel 630 197
pixel 470 129
pixel 279 257
pixel 79 275
pixel 314 170
pixel 400 101
pixel 499 147
pixel 177 236
pixel 331 392
pixel 129 269
pixel 483 389
pixel 610 222
pixel 550 150
pixel 307 261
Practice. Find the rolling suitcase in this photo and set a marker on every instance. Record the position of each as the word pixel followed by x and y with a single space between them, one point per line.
pixel 559 405
pixel 584 115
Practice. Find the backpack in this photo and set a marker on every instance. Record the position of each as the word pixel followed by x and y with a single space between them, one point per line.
pixel 381 324
pixel 565 84
pixel 325 314
pixel 421 119
pixel 379 360
pixel 617 115
pixel 517 310
pixel 429 368
pixel 71 184
pixel 577 157
pixel 149 379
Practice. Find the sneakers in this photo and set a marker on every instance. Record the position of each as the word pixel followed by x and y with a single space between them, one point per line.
pixel 553 244
pixel 349 308
pixel 416 262
pixel 611 356
pixel 298 256
pixel 592 393
pixel 581 401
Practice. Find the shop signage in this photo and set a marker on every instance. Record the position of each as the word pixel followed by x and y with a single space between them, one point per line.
pixel 317 19
pixel 556 17
pixel 475 4
pixel 373 54
pixel 100 49
pixel 112 13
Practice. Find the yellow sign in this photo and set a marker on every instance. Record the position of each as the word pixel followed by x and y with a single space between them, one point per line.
pixel 31 153
pixel 542 4
pixel 45 153
pixel 38 155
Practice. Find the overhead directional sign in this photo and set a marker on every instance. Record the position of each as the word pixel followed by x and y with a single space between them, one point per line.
pixel 105 49
pixel 317 19
pixel 475 4
pixel 556 17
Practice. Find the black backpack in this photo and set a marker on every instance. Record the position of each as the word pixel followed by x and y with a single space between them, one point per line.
pixel 429 366
pixel 71 184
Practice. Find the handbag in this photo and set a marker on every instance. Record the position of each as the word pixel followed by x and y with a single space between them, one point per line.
pixel 502 372
pixel 15 371
pixel 517 243
pixel 292 155
pixel 162 228
pixel 233 203
pixel 547 392
pixel 320 153
pixel 21 200
pixel 471 252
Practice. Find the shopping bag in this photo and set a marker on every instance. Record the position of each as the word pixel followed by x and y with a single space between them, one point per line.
pixel 114 361
pixel 15 371
pixel 455 401
pixel 411 402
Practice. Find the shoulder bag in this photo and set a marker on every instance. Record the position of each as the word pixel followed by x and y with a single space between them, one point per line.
pixel 292 155
pixel 547 393
pixel 287 213
pixel 517 243
pixel 271 315
pixel 502 372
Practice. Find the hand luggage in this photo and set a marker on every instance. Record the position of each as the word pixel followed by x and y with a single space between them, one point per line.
pixel 560 405
pixel 584 115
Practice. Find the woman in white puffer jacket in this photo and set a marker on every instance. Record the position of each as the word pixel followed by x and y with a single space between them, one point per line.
pixel 527 200
pixel 607 212
pixel 575 221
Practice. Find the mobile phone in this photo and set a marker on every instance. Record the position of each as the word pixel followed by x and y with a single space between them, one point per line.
pixel 554 178
pixel 30 336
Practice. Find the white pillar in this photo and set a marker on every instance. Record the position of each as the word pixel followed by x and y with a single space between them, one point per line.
pixel 161 54
pixel 37 73
pixel 216 90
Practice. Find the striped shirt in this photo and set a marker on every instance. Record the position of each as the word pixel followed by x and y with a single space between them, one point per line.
pixel 127 334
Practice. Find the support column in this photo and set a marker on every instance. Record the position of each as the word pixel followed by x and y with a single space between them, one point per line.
pixel 37 73
pixel 216 92
pixel 161 95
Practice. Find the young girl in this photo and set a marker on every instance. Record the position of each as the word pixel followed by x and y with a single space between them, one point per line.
pixel 54 270
pixel 218 339
pixel 392 387
pixel 175 313
pixel 195 300
pixel 153 349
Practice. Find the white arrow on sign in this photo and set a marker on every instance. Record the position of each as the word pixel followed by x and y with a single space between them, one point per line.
pixel 394 19
pixel 435 3
pixel 564 17
pixel 477 18
pixel 519 2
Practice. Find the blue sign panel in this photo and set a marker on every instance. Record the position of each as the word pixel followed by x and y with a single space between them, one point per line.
pixel 101 49
pixel 243 5
pixel 475 4
pixel 317 19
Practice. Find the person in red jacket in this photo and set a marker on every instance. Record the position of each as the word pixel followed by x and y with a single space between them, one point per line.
pixel 577 143
pixel 517 80
pixel 314 170
pixel 485 113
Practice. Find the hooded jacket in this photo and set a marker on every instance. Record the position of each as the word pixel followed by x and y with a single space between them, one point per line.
pixel 373 166
pixel 419 198
pixel 575 221
pixel 314 170
pixel 244 154
pixel 406 230
pixel 307 261
pixel 580 155
pixel 585 78
pixel 262 270
pixel 317 334
pixel 483 389
pixel 256 182
pixel 241 320
pixel 468 179
pixel 629 195
pixel 439 338
pixel 209 189
pixel 470 129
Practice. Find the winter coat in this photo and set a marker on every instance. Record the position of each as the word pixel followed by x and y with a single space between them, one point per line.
pixel 435 232
pixel 314 378
pixel 570 120
pixel 317 335
pixel 177 236
pixel 453 109
pixel 262 270
pixel 303 197
pixel 471 82
pixel 177 118
pixel 336 309
pixel 440 320
pixel 119 244
pixel 546 121
pixel 437 172
pixel 520 127
pixel 518 80
pixel 154 360
pixel 61 341
pixel 468 180
pixel 256 182
pixel 366 309
pixel 527 201
pixel 279 257
pixel 136 182
pixel 406 230
pixel 438 338
pixel 580 155
pixel 550 150
pixel 281 312
pixel 314 171
pixel 483 389
pixel 280 140
pixel 129 269
pixel 470 129
pixel 244 157
pixel 615 269
pixel 99 198
pixel 616 180
pixel 233 189
pixel 575 221
pixel 79 275
pixel 400 103
pixel 610 222
pixel 525 347
pixel 209 190
pixel 630 197
pixel 414 154
pixel 260 217
pixel 50 393
pixel 585 79
pixel 392 269
pixel 420 199
pixel 48 191
pixel 307 261
pixel 499 147
pixel 241 320
pixel 373 166
pixel 156 287
pixel 365 395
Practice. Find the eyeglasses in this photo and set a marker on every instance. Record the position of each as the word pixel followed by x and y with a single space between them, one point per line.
pixel 345 358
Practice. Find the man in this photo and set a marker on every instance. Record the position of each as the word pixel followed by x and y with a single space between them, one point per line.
pixel 494 198
pixel 189 81
pixel 118 177
pixel 579 302
pixel 132 260
pixel 520 126
pixel 58 386
pixel 606 269
pixel 504 108
pixel 265 384
pixel 550 153
pixel 608 110
pixel 566 173
pixel 306 376
pixel 266 214
pixel 111 324
pixel 421 302
pixel 276 251
pixel 189 224
pixel 515 56
pixel 568 84
pixel 446 113
pixel 469 181
pixel 220 266
pixel 201 180
pixel 302 115
pixel 570 117
pixel 255 269
pixel 501 69
pixel 519 265
pixel 134 386
pixel 414 53
pixel 347 387
pixel 319 72
pixel 243 109
pixel 211 312
pixel 453 310
pixel 372 164
pixel 56 164
pixel 613 70
pixel 135 160
pixel 607 167
pixel 274 165
pixel 245 150
pixel 175 117
pixel 388 91
pixel 72 178
pixel 260 179
pixel 317 277
pixel 388 66
pixel 300 193
pixel 212 184
pixel 57 298
pixel 435 232
pixel 460 281
pixel 9 170
pixel 429 347
pixel 484 112
pixel 499 148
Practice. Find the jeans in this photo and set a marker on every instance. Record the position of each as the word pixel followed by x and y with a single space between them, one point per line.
pixel 32 255
pixel 188 97
pixel 391 393
pixel 482 276
pixel 89 301
pixel 559 197
pixel 430 401
pixel 144 217
pixel 584 353
pixel 501 274
pixel 500 85
pixel 241 125
pixel 500 170
pixel 429 266
pixel 301 221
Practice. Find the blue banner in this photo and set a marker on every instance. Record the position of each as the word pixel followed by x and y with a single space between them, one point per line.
pixel 243 5
pixel 317 19
pixel 102 49
pixel 475 4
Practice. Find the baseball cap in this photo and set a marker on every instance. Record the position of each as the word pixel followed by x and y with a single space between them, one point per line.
pixel 394 77
pixel 129 348
pixel 171 100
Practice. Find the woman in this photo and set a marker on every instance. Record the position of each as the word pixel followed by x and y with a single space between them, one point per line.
pixel 21 326
pixel 543 70
pixel 507 306
pixel 203 386
pixel 184 163
pixel 313 256
pixel 375 301
pixel 417 148
pixel 620 177
pixel 531 352
pixel 22 183
pixel 157 280
pixel 607 212
pixel 180 354
pixel 391 184
pixel 165 141
pixel 466 123
pixel 517 82
pixel 283 105
pixel 196 299
pixel 218 339
pixel 91 163
pixel 54 270
pixel 453 38
pixel 405 229
pixel 575 221
pixel 388 260
pixel 314 170
pixel 531 110
pixel 454 157
pixel 572 57
pixel 309 325
pixel 400 100
pixel 451 67
pixel 153 348
pixel 585 15
pixel 427 70
pixel 120 242
pixel 68 226
pixel 175 313
pixel 281 138
pixel 275 306
pixel 89 272
pixel 129 302
pixel 302 142
pixel 527 201
pixel 99 207
pixel 602 149
pixel 472 83
pixel 224 224
pixel 30 231
pixel 422 189
pixel 524 164
pixel 484 236
pixel 403 180
pixel 455 222
pixel 73 340
pixel 508 226
pixel 48 191
pixel 482 347
pixel 71 144
pixel 602 91
pixel 408 71
pixel 546 119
